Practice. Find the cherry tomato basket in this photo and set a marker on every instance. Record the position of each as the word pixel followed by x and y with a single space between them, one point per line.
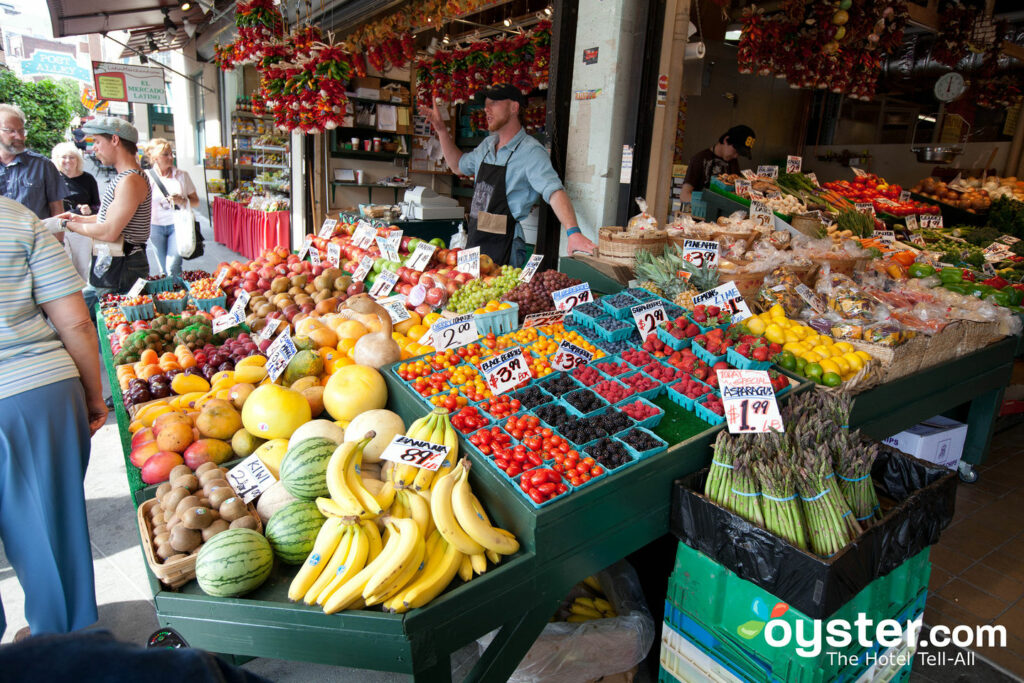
pixel 497 322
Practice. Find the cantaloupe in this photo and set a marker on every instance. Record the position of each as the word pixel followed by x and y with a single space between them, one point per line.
pixel 384 422
pixel 324 428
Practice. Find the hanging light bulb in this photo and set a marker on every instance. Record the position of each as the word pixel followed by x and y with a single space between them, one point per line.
pixel 186 6
pixel 547 11
pixel 507 22
pixel 445 40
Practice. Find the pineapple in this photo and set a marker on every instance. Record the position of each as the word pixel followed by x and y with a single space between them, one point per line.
pixel 664 276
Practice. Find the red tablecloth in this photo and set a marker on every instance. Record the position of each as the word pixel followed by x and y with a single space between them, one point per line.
pixel 247 231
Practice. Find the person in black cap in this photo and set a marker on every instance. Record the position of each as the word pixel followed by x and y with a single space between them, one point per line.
pixel 721 158
pixel 512 172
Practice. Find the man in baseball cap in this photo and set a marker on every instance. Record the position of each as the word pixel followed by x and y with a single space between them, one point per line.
pixel 112 125
pixel 719 158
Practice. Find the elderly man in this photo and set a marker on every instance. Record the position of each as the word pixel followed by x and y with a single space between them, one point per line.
pixel 26 177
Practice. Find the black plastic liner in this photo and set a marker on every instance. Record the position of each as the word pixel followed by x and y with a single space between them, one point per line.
pixel 925 495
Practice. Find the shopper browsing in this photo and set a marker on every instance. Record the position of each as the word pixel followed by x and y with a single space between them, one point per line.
pixel 720 158
pixel 51 402
pixel 121 227
pixel 512 172
pixel 26 177
pixel 171 189
pixel 83 198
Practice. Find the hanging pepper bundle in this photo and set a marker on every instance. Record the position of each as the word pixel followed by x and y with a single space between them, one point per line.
pixel 956 20
pixel 540 39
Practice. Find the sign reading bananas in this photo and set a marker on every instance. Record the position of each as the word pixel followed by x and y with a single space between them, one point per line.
pixel 408 451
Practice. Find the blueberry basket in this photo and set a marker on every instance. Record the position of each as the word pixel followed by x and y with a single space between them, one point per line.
pixel 640 294
pixel 618 305
pixel 602 403
pixel 171 305
pixel 672 342
pixel 743 363
pixel 587 315
pixel 646 453
pixel 649 394
pixel 208 304
pixel 705 414
pixel 706 355
pixel 611 329
pixel 498 322
pixel 145 311
pixel 164 284
pixel 649 422
pixel 614 347
pixel 518 479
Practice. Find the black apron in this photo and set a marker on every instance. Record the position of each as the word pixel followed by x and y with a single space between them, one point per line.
pixel 492 227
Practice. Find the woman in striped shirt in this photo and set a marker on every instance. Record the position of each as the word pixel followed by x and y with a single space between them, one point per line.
pixel 124 212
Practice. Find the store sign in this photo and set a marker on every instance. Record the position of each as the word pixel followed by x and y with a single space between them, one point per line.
pixel 859 172
pixel 865 207
pixel 129 83
pixel 269 329
pixel 931 221
pixel 59 64
pixel 363 236
pixel 220 277
pixel 743 188
pixel 327 229
pixel 385 282
pixel 566 299
pixel 813 177
pixel 279 354
pixel 530 268
pixel 569 356
pixel 395 306
pixel 542 319
pixel 911 221
pixel 408 451
pixel 504 372
pixel 250 478
pixel 365 265
pixel 314 256
pixel 886 237
pixel 701 253
pixel 794 164
pixel 727 297
pixel 996 252
pixel 387 250
pixel 469 261
pixel 905 196
pixel 749 401
pixel 748 174
pixel 648 316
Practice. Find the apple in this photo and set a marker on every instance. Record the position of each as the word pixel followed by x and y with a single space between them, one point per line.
pixel 263 284
pixel 404 288
pixel 451 286
pixel 406 241
pixel 250 286
pixel 267 273
pixel 292 258
pixel 436 296
pixel 317 270
pixel 452 257
pixel 355 288
pixel 250 276
pixel 422 309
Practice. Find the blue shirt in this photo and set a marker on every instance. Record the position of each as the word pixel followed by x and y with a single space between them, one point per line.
pixel 32 180
pixel 528 176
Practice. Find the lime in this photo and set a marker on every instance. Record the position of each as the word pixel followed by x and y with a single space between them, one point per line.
pixel 831 379
pixel 801 363
pixel 813 371
pixel 787 360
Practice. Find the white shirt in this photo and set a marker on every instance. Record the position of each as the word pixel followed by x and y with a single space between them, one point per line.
pixel 179 183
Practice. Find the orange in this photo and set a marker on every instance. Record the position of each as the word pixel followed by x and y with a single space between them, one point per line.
pixel 416 332
pixel 149 370
pixel 149 357
pixel 168 358
pixel 351 329
pixel 327 353
pixel 430 318
pixel 346 345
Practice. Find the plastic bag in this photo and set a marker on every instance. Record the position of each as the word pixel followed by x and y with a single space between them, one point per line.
pixel 459 239
pixel 780 287
pixel 569 653
pixel 643 220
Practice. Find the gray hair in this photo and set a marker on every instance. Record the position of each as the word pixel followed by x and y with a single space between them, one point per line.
pixel 13 110
pixel 66 148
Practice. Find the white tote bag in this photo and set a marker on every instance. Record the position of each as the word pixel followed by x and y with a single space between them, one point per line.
pixel 185 231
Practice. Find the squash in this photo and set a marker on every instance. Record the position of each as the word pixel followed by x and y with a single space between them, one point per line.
pixel 376 348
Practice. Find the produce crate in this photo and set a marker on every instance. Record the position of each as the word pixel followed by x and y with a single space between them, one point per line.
pixel 918 498
pixel 681 399
pixel 587 315
pixel 650 422
pixel 164 284
pixel 703 413
pixel 622 310
pixel 706 355
pixel 649 394
pixel 208 304
pixel 698 207
pixel 640 455
pixel 498 322
pixel 672 342
pixel 171 305
pixel 725 615
pixel 619 334
pixel 743 363
pixel 140 312
pixel 640 294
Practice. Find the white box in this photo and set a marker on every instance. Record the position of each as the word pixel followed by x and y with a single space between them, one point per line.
pixel 938 440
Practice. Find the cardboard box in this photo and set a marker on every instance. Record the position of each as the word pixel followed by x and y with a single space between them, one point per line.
pixel 366 87
pixel 938 440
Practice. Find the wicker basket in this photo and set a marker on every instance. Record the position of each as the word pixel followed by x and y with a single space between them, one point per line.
pixel 615 245
pixel 748 283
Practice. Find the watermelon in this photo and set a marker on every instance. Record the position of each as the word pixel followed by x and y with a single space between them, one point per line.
pixel 304 468
pixel 234 562
pixel 293 529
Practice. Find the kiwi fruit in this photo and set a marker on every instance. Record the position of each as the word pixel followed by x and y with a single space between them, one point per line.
pixel 158 516
pixel 179 556
pixel 173 522
pixel 186 503
pixel 215 528
pixel 161 539
pixel 233 508
pixel 218 497
pixel 196 518
pixel 173 497
pixel 209 475
pixel 178 471
pixel 164 551
pixel 162 490
pixel 206 467
pixel 244 522
pixel 188 481
pixel 185 540
pixel 214 484
pixel 159 529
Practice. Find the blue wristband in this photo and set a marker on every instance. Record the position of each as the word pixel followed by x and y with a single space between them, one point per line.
pixel 572 231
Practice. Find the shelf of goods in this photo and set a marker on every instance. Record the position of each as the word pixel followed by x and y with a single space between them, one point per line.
pixel 561 541
pixel 248 231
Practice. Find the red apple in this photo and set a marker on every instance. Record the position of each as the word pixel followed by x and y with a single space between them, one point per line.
pixel 356 288
pixel 250 286
pixel 263 284
pixel 452 257
pixel 436 296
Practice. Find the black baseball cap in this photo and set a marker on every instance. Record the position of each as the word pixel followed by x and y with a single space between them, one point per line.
pixel 502 92
pixel 740 137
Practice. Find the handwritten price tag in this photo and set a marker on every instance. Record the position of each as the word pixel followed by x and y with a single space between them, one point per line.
pixel 542 319
pixel 569 356
pixel 226 321
pixel 408 451
pixel 743 188
pixel 306 244
pixel 1009 240
pixel 137 288
pixel 364 234
pixel 701 253
pixel 749 401
pixel 505 371
pixel 250 478
pixel 748 174
pixel 327 229
pixel 905 196
pixel 761 214
pixel 865 207
pixel 570 297
pixel 395 306
pixel 387 250
pixel 314 256
pixel 931 221
pixel 911 221
pixel 451 333
pixel 794 164
pixel 469 261
pixel 241 301
pixel 814 179
pixel 365 265
pixel 269 329
pixel 530 269
pixel 859 172
pixel 768 171
pixel 278 355
pixel 334 254
pixel 648 316
pixel 395 240
pixel 420 258
pixel 886 237
pixel 220 278
pixel 385 282
pixel 725 296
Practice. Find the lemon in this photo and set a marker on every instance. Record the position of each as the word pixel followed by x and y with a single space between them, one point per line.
pixel 829 365
pixel 864 356
pixel 777 311
pixel 774 334
pixel 793 347
pixel 811 339
pixel 845 347
pixel 756 326
pixel 812 357
pixel 790 337
pixel 822 351
pixel 854 361
pixel 841 364
pixel 825 339
pixel 802 331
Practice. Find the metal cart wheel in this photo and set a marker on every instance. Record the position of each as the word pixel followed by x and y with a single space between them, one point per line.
pixel 968 475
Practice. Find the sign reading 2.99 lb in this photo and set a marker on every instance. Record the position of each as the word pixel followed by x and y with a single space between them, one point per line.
pixel 569 356
pixel 506 371
pixel 570 297
pixel 408 451
pixel 648 316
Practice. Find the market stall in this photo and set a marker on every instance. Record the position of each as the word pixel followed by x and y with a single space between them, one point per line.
pixel 249 231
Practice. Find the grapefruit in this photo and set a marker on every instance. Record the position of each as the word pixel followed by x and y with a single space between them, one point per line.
pixel 352 390
pixel 274 412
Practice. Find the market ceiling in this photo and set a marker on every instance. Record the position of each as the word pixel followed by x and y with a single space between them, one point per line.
pixel 163 21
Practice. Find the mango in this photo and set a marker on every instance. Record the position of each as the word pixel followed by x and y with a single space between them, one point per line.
pixel 244 444
pixel 228 375
pixel 175 436
pixel 256 361
pixel 250 374
pixel 207 450
pixel 304 383
pixel 239 393
pixel 186 384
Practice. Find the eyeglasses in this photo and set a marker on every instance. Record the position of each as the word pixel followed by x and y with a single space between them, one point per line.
pixel 19 131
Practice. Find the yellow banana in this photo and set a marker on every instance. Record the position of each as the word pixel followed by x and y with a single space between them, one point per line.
pixel 434 578
pixel 605 607
pixel 409 549
pixel 425 477
pixel 352 563
pixel 451 440
pixel 326 541
pixel 419 510
pixel 494 557
pixel 328 507
pixel 331 568
pixel 586 602
pixel 350 593
pixel 584 611
pixel 405 475
pixel 465 568
pixel 399 510
pixel 479 563
pixel 405 577
pixel 354 482
pixel 386 495
pixel 432 541
pixel 579 619
pixel 593 583
pixel 444 517
pixel 465 505
pixel 337 482
pixel 373 536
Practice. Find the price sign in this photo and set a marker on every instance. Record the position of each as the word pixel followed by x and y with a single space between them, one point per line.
pixel 227 321
pixel 768 171
pixel 931 221
pixel 569 356
pixel 761 214
pixel 904 196
pixel 220 278
pixel 409 451
pixel 395 306
pixel 1008 240
pixel 306 244
pixel 725 296
pixel 911 221
pixel 269 329
pixel 530 268
pixel 364 234
pixel 794 164
pixel 452 333
pixel 504 372
pixel 743 188
pixel 137 288
pixel 810 298
pixel 250 478
pixel 701 253
pixel 420 258
pixel 918 239
pixel 865 207
pixel 996 252
pixel 469 261
pixel 385 282
pixel 773 194
pixel 314 256
pixel 988 269
pixel 395 240
pixel 814 179
pixel 334 254
pixel 566 299
pixel 749 401
pixel 748 174
pixel 755 194
pixel 886 237
pixel 327 229
pixel 387 250
pixel 648 316
pixel 859 172
pixel 278 355
pixel 542 319
pixel 365 265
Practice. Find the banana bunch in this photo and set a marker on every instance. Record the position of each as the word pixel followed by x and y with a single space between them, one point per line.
pixel 342 548
pixel 350 496
pixel 415 505
pixel 586 609
pixel 435 428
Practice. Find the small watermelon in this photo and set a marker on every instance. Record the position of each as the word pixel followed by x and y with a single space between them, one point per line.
pixel 304 468
pixel 234 562
pixel 293 529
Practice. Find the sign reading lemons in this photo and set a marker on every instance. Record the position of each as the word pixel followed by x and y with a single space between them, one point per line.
pixel 129 83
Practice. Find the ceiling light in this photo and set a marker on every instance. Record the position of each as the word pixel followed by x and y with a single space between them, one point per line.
pixel 152 43
pixel 929 119
pixel 547 11
pixel 445 40
pixel 507 22
pixel 186 6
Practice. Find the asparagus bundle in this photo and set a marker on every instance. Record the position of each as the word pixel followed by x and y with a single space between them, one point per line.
pixel 745 494
pixel 829 519
pixel 719 481
pixel 783 515
pixel 854 473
